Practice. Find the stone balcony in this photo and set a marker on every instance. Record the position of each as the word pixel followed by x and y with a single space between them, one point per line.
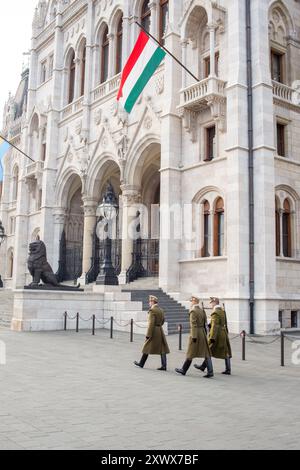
pixel 34 174
pixel 107 88
pixel 209 92
pixel 286 95
pixel 72 108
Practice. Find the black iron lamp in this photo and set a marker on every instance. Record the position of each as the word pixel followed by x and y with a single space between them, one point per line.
pixel 108 209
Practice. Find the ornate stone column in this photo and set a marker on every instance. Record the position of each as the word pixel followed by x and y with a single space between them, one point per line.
pixel 112 55
pixel 90 207
pixel 59 217
pixel 153 20
pixel 131 200
pixel 212 39
pixel 184 43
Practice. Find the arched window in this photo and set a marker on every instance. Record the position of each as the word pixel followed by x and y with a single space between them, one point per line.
pixel 286 230
pixel 219 228
pixel 206 230
pixel 104 56
pixel 163 17
pixel 72 67
pixel 15 184
pixel 82 68
pixel 277 221
pixel 119 46
pixel 146 15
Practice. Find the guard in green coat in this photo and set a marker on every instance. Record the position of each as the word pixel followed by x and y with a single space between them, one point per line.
pixel 198 345
pixel 156 342
pixel 218 339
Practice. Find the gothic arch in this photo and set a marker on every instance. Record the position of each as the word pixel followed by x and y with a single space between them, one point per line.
pixel 102 169
pixel 280 17
pixel 64 184
pixel 137 156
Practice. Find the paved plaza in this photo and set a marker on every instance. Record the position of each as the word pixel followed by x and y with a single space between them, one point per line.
pixel 63 390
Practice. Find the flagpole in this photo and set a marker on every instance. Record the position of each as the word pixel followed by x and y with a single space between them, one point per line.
pixel 168 52
pixel 21 151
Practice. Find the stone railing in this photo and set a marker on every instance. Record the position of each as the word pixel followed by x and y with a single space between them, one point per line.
pixel 195 95
pixel 105 89
pixel 33 168
pixel 72 108
pixel 286 94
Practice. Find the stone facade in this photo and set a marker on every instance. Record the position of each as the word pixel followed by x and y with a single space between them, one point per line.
pixel 184 147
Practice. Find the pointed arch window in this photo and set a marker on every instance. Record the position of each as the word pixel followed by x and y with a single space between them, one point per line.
pixel 119 46
pixel 286 230
pixel 72 68
pixel 146 15
pixel 206 230
pixel 277 222
pixel 83 65
pixel 163 18
pixel 219 228
pixel 104 56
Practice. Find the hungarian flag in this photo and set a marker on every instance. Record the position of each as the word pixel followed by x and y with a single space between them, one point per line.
pixel 141 65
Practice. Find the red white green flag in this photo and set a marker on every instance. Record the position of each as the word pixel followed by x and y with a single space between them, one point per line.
pixel 141 65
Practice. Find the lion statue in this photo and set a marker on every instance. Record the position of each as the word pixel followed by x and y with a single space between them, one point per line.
pixel 40 269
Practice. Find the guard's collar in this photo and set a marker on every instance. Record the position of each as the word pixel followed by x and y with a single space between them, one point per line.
pixel 216 306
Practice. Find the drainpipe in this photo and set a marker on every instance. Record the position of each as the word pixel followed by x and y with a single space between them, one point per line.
pixel 250 165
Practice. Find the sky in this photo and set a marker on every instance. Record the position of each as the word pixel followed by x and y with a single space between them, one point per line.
pixel 15 38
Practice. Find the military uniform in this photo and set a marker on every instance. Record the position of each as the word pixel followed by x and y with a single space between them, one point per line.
pixel 198 345
pixel 156 343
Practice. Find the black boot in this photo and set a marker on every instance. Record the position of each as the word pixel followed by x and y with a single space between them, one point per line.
pixel 227 370
pixel 163 362
pixel 185 367
pixel 210 370
pixel 202 367
pixel 142 361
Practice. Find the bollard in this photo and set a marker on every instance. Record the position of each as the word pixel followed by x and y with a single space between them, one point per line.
pixel 111 327
pixel 180 337
pixel 282 349
pixel 77 322
pixel 244 345
pixel 65 321
pixel 94 321
pixel 131 330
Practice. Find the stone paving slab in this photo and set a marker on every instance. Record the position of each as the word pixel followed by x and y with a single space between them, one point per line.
pixel 62 390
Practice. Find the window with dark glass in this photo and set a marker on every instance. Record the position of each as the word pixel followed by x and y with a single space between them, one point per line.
pixel 277 66
pixel 207 65
pixel 280 318
pixel 294 319
pixel 206 230
pixel 277 219
pixel 72 78
pixel 281 144
pixel 286 230
pixel 104 56
pixel 219 228
pixel 163 18
pixel 210 143
pixel 146 15
pixel 119 46
pixel 83 64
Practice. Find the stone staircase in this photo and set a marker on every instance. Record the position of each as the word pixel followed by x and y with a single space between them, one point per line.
pixel 175 313
pixel 6 307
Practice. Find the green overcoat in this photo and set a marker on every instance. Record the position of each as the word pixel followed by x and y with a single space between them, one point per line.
pixel 200 347
pixel 218 336
pixel 156 342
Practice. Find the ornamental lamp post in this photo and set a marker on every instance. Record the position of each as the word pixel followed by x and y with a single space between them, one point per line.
pixel 2 238
pixel 108 210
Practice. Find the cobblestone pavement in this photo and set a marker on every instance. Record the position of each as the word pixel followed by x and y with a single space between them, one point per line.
pixel 74 391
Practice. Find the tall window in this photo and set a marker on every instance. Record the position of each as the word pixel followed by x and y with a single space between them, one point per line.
pixel 210 143
pixel 277 220
pixel 82 72
pixel 163 18
pixel 43 71
pixel 104 56
pixel 146 15
pixel 207 65
pixel 72 67
pixel 119 46
pixel 281 142
pixel 286 230
pixel 277 66
pixel 219 228
pixel 206 230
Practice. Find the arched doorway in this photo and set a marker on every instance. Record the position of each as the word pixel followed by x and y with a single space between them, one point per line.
pixel 74 225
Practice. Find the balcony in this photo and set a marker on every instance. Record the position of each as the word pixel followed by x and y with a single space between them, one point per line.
pixel 34 168
pixel 72 108
pixel 209 92
pixel 285 95
pixel 105 89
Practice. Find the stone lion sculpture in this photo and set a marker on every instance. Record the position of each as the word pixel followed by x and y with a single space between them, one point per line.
pixel 39 267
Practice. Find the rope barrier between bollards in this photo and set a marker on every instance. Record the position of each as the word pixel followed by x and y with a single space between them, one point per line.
pixel 111 327
pixel 180 336
pixel 77 322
